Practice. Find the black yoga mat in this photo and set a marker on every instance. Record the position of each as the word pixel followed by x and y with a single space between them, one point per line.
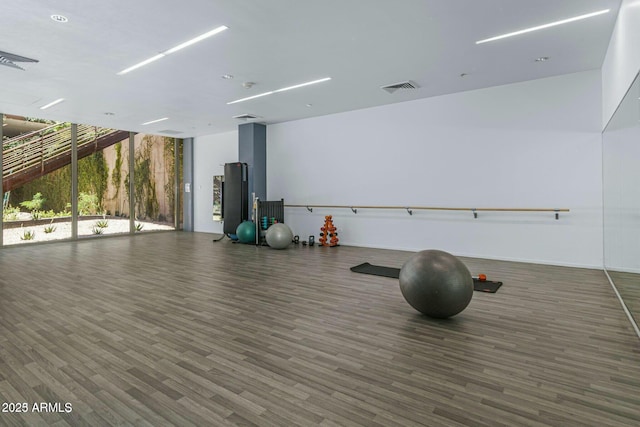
pixel 394 273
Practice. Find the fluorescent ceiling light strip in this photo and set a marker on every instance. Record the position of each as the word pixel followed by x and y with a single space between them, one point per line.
pixel 250 97
pixel 303 84
pixel 51 104
pixel 175 49
pixel 140 64
pixel 541 27
pixel 280 90
pixel 196 39
pixel 155 121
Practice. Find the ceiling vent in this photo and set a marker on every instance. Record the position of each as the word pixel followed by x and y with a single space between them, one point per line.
pixel 246 117
pixel 170 132
pixel 10 59
pixel 402 85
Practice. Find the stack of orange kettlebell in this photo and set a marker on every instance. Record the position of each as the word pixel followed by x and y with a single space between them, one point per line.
pixel 328 234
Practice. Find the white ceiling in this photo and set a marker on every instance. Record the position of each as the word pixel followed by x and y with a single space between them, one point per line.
pixel 360 44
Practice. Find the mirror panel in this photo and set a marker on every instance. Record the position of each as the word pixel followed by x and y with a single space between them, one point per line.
pixel 621 198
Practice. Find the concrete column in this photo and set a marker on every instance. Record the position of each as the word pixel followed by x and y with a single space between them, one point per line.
pixel 252 150
pixel 187 179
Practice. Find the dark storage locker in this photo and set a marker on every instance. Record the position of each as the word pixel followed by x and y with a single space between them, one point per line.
pixel 235 197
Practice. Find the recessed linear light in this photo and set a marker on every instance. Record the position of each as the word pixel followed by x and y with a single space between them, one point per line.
pixel 175 49
pixel 303 84
pixel 155 121
pixel 196 39
pixel 280 90
pixel 143 63
pixel 250 97
pixel 51 104
pixel 541 27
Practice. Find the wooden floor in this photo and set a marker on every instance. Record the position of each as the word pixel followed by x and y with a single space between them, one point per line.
pixel 173 329
pixel 628 285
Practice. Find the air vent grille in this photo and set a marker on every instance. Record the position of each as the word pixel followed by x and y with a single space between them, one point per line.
pixel 400 86
pixel 10 59
pixel 170 132
pixel 246 117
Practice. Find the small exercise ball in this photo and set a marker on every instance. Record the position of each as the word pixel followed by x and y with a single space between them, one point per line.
pixel 246 232
pixel 279 236
pixel 436 283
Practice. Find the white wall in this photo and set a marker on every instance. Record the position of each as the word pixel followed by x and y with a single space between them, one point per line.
pixel 531 144
pixel 210 153
pixel 622 61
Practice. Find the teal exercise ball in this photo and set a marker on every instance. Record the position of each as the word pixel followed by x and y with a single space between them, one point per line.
pixel 246 232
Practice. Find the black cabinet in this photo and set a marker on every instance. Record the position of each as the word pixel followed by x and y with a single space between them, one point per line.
pixel 235 197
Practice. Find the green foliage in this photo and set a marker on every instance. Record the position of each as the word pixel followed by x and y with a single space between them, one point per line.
pixel 50 228
pixel 28 235
pixel 55 188
pixel 103 223
pixel 87 204
pixel 170 168
pixel 52 214
pixel 146 201
pixel 35 204
pixel 39 120
pixel 97 230
pixel 10 213
pixel 116 174
pixel 36 215
pixel 96 181
pixel 93 176
pixel 48 214
pixel 58 126
pixel 139 226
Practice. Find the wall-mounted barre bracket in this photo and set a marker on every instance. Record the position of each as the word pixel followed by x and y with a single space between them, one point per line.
pixel 409 211
pixel 557 213
pixel 354 210
pixel 475 213
pixel 309 209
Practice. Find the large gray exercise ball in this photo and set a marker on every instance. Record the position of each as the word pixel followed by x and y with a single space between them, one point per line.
pixel 279 236
pixel 436 283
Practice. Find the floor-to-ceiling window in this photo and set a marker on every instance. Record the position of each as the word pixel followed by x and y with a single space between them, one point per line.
pixel 121 187
pixel 154 183
pixel 36 180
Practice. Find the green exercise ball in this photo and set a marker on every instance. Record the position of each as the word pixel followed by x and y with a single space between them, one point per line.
pixel 246 232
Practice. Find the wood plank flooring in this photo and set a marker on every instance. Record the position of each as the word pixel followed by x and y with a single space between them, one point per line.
pixel 173 329
pixel 628 285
